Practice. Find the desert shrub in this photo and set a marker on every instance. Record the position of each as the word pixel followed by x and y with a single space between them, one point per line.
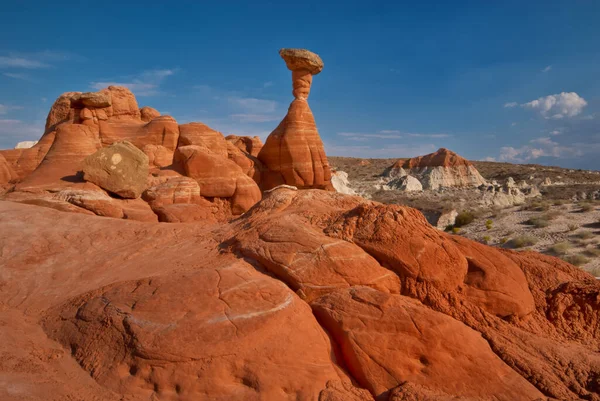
pixel 560 249
pixel 464 218
pixel 552 214
pixel 576 260
pixel 503 240
pixel 449 227
pixel 584 235
pixel 592 252
pixel 595 271
pixel 455 230
pixel 572 227
pixel 488 224
pixel 522 241
pixel 537 206
pixel 559 202
pixel 539 222
pixel 486 239
pixel 586 207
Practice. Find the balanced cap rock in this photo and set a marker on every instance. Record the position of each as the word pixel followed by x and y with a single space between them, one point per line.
pixel 293 154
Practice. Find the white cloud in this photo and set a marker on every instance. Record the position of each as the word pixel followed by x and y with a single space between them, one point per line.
pixel 387 134
pixel 510 105
pixel 513 124
pixel 36 60
pixel 488 159
pixel 547 68
pixel 146 83
pixel 253 105
pixel 267 84
pixel 5 108
pixel 543 147
pixel 555 132
pixel 254 118
pixel 430 135
pixel 17 75
pixel 387 151
pixel 357 136
pixel 13 131
pixel 560 105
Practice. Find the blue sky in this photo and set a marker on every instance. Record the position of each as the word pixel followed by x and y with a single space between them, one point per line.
pixel 514 81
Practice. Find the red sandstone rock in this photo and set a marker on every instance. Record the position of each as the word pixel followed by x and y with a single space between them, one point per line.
pixel 294 153
pixel 7 174
pixel 62 164
pixel 218 177
pixel 120 168
pixel 202 135
pixel 249 164
pixel 440 158
pixel 148 113
pixel 387 340
pixel 250 145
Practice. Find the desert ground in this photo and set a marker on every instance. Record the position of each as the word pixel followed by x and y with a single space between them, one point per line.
pixel 563 221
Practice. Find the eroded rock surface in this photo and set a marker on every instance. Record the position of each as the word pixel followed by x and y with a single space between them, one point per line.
pixel 293 153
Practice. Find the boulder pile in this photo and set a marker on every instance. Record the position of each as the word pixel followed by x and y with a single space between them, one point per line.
pixel 109 152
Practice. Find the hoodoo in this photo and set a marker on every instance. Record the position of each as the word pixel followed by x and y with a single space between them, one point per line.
pixel 293 154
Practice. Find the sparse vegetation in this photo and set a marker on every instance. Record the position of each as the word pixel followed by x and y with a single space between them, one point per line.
pixel 576 260
pixel 594 271
pixel 572 227
pixel 503 240
pixel 486 239
pixel 539 222
pixel 592 252
pixel 537 206
pixel 552 214
pixel 464 218
pixel 586 207
pixel 522 241
pixel 560 248
pixel 488 224
pixel 455 230
pixel 584 235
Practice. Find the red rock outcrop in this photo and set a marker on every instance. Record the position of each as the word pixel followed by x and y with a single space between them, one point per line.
pixel 250 145
pixel 293 153
pixel 440 169
pixel 208 311
pixel 218 176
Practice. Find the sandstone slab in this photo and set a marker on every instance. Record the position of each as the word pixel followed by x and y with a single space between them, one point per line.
pixel 120 168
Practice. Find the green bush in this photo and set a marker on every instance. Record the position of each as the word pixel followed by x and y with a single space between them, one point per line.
pixel 576 260
pixel 464 218
pixel 523 241
pixel 560 249
pixel 537 206
pixel 539 222
pixel 488 224
pixel 552 215
pixel 503 240
pixel 455 230
pixel 584 235
pixel 592 252
pixel 486 239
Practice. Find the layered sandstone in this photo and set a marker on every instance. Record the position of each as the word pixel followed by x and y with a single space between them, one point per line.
pixel 441 169
pixel 392 308
pixel 293 153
